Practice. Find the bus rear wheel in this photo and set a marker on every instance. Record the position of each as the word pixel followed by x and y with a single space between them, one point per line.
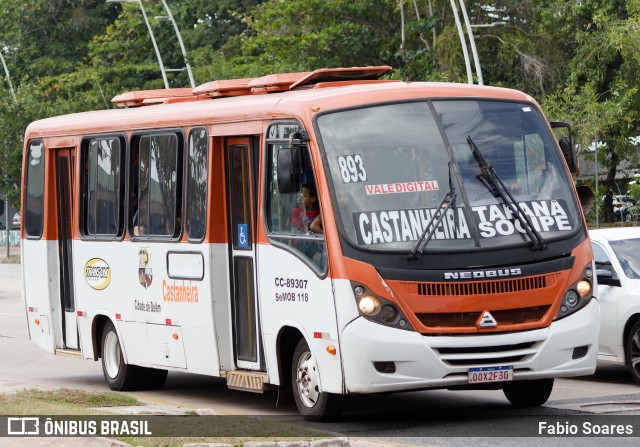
pixel 528 393
pixel 120 375
pixel 313 404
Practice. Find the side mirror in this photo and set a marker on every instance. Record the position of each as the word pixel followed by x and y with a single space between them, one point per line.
pixel 288 175
pixel 566 146
pixel 606 278
pixel 290 166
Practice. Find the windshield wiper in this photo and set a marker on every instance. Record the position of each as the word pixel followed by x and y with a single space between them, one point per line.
pixel 448 202
pixel 494 184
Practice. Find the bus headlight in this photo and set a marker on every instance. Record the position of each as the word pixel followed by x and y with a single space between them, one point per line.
pixel 584 288
pixel 577 295
pixel 368 305
pixel 379 310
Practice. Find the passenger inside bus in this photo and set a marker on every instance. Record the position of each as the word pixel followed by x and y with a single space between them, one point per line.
pixel 311 209
pixel 307 220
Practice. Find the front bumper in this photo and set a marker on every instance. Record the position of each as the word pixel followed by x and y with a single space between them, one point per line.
pixel 443 361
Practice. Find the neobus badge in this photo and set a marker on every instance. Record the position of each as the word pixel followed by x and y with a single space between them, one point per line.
pixel 97 273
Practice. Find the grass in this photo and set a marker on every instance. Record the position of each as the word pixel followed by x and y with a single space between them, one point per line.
pixel 13 259
pixel 77 402
pixel 237 442
pixel 250 429
pixel 63 401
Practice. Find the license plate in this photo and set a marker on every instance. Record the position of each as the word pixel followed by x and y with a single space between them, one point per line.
pixel 490 374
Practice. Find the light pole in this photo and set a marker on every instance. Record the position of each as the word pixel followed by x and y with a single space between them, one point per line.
pixel 472 41
pixel 153 39
pixel 6 202
pixel 184 53
pixel 170 18
pixel 463 41
pixel 6 72
pixel 595 144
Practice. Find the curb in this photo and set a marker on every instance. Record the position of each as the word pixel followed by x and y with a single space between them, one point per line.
pixel 334 442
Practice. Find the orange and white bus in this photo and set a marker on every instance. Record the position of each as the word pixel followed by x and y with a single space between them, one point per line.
pixel 329 233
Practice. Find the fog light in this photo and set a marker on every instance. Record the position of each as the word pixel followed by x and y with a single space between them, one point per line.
pixel 584 288
pixel 571 298
pixel 388 314
pixel 368 305
pixel 385 367
pixel 579 352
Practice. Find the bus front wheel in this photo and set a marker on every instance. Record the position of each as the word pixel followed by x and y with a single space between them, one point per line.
pixel 120 375
pixel 528 393
pixel 313 404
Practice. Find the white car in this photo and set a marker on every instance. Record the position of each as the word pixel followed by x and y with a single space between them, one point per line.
pixel 16 221
pixel 617 256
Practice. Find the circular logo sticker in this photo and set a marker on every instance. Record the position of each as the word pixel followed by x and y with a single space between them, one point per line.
pixel 97 273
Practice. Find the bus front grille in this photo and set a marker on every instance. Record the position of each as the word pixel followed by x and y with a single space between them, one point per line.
pixel 480 287
pixel 493 355
pixel 469 319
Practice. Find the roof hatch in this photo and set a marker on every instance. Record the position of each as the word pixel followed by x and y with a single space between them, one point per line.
pixel 278 82
pixel 149 97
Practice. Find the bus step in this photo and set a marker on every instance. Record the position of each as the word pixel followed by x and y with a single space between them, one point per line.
pixel 69 353
pixel 251 381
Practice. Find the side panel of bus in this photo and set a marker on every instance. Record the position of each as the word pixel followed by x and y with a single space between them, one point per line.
pixel 40 248
pixel 295 284
pixel 161 293
pixel 49 247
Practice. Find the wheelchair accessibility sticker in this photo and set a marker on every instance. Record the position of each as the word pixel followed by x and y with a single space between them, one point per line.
pixel 243 235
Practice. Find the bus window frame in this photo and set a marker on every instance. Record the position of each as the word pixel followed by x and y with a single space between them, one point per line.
pixel 123 200
pixel 44 189
pixel 186 191
pixel 134 140
pixel 274 239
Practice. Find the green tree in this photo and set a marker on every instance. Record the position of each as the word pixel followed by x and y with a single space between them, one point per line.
pixel 600 94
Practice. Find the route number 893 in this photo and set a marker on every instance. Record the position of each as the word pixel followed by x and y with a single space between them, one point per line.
pixel 352 168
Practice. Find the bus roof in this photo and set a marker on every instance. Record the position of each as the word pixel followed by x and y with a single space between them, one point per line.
pixel 269 97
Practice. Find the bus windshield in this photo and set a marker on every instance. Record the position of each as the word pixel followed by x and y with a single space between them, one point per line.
pixel 391 166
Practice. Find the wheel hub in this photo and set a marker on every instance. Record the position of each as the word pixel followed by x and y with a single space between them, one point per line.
pixel 307 380
pixel 111 354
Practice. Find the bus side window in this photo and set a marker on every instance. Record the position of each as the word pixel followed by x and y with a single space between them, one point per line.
pixel 103 186
pixel 34 194
pixel 157 185
pixel 197 175
pixel 289 220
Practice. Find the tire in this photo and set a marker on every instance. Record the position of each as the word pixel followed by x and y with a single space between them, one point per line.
pixel 312 404
pixel 632 349
pixel 528 393
pixel 120 375
pixel 153 379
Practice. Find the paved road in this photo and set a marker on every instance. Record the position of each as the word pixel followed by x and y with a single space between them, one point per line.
pixel 420 418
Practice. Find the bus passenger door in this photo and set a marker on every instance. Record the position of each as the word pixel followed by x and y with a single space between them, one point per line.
pixel 242 211
pixel 65 160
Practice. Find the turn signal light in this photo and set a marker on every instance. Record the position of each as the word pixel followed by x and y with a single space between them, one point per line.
pixel 331 350
pixel 175 336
